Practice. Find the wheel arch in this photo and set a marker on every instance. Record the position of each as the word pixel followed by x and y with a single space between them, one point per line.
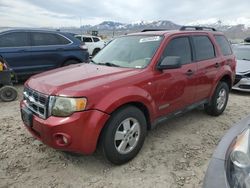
pixel 69 59
pixel 136 104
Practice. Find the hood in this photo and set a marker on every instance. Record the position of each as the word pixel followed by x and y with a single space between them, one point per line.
pixel 242 66
pixel 76 80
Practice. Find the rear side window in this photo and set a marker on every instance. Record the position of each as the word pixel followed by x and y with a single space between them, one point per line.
pixel 46 39
pixel 87 39
pixel 204 48
pixel 14 39
pixel 224 44
pixel 179 47
pixel 96 39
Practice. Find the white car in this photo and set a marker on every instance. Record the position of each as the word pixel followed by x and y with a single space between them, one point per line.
pixel 93 43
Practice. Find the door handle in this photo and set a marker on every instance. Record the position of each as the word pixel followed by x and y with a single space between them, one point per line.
pixel 189 72
pixel 217 65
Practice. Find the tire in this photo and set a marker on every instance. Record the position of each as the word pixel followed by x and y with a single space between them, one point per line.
pixel 219 100
pixel 70 62
pixel 96 50
pixel 8 93
pixel 117 146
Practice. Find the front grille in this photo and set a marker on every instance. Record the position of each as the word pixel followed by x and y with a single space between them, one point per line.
pixel 37 102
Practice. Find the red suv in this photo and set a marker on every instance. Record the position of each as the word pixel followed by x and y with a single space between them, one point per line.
pixel 135 82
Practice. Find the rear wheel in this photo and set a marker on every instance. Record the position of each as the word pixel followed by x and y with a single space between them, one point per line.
pixel 8 93
pixel 219 100
pixel 124 135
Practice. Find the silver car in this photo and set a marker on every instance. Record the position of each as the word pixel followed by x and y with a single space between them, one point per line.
pixel 242 79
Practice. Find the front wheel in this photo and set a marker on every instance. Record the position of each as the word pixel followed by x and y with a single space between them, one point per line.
pixel 124 135
pixel 219 100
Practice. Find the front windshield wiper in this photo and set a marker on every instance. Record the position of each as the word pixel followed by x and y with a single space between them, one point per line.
pixel 92 61
pixel 246 59
pixel 109 64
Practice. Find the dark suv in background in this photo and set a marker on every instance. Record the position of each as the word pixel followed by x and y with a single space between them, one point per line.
pixel 32 51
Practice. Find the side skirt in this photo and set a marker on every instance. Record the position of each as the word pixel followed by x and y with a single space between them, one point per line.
pixel 178 113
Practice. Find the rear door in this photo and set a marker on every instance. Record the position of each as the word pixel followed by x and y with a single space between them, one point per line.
pixel 207 65
pixel 15 49
pixel 48 51
pixel 178 85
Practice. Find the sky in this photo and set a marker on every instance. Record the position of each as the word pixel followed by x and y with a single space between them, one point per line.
pixel 65 13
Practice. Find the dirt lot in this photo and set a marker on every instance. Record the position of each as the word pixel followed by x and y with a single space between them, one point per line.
pixel 175 154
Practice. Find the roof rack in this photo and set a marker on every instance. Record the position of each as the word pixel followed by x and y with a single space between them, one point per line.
pixel 200 28
pixel 147 30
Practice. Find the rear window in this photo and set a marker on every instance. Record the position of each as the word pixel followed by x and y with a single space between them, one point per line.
pixel 45 39
pixel 14 39
pixel 204 48
pixel 224 44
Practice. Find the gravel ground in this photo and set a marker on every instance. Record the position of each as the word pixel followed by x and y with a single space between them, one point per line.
pixel 175 154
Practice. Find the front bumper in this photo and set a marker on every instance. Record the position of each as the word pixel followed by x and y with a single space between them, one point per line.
pixel 242 83
pixel 81 129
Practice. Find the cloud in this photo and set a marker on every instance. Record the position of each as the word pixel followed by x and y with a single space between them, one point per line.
pixel 57 13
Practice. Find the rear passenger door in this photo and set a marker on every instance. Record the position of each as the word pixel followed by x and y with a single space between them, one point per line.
pixel 48 51
pixel 15 49
pixel 207 65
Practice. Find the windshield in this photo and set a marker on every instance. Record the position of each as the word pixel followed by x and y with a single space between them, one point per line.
pixel 242 53
pixel 129 51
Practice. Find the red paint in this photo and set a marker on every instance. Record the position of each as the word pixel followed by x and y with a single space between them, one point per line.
pixel 108 88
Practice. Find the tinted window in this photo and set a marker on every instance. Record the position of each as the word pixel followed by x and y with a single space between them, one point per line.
pixel 96 39
pixel 87 39
pixel 179 47
pixel 14 39
pixel 203 47
pixel 224 44
pixel 41 39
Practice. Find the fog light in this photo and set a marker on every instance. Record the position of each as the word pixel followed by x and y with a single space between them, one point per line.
pixel 62 139
pixel 240 155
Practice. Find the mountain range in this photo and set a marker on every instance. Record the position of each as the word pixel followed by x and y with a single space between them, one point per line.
pixel 234 30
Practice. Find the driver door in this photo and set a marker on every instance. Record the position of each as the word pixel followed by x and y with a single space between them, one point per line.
pixel 178 86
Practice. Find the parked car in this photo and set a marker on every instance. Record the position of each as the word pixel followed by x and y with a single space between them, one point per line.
pixel 33 51
pixel 230 164
pixel 134 83
pixel 94 44
pixel 242 79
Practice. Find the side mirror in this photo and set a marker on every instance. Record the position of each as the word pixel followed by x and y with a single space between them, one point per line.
pixel 170 62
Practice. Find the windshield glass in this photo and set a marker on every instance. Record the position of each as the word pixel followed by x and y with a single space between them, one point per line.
pixel 242 53
pixel 129 51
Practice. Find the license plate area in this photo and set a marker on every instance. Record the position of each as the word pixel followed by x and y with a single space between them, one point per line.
pixel 27 117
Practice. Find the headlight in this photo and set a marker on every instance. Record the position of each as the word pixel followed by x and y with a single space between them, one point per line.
pixel 240 155
pixel 64 106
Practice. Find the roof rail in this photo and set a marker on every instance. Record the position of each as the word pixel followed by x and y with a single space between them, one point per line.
pixel 147 30
pixel 183 28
